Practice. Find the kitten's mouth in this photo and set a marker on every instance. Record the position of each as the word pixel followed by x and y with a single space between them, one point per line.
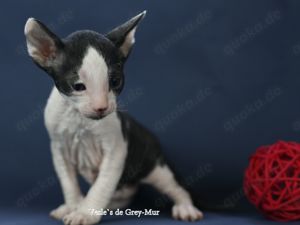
pixel 96 117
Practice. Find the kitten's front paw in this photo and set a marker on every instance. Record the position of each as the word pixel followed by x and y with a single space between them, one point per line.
pixel 61 211
pixel 78 217
pixel 186 212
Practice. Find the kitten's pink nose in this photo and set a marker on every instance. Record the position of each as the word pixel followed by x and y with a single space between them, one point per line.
pixel 100 104
pixel 100 110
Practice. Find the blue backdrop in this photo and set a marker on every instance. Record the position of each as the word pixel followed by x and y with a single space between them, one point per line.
pixel 213 79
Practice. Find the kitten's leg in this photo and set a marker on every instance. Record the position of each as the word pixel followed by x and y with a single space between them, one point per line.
pixel 163 179
pixel 103 188
pixel 68 180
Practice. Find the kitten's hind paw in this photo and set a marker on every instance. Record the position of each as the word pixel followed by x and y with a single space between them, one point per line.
pixel 186 212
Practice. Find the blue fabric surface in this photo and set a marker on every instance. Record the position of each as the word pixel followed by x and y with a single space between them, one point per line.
pixel 177 55
pixel 40 217
pixel 196 137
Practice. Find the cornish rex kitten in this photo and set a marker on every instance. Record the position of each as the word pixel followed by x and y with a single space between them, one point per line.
pixel 88 135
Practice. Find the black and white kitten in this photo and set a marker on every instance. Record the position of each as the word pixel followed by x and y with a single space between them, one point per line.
pixel 88 135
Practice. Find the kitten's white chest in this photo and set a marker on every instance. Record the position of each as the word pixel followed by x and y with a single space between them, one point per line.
pixel 84 140
pixel 80 137
pixel 84 146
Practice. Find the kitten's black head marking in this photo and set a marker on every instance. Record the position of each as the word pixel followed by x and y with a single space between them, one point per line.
pixel 61 59
pixel 75 47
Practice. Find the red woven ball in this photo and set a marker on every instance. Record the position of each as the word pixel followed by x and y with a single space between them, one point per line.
pixel 272 180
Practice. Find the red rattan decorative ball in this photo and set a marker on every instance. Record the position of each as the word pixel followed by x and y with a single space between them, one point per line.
pixel 272 180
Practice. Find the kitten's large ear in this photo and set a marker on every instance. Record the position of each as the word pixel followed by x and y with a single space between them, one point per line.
pixel 123 35
pixel 42 45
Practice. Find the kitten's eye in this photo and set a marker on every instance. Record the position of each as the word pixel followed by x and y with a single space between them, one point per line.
pixel 115 82
pixel 79 87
